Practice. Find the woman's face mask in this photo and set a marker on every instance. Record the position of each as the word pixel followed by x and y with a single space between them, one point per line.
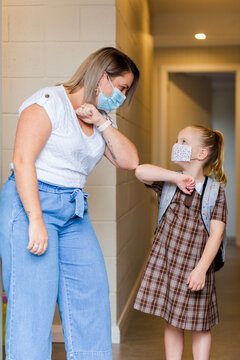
pixel 112 102
pixel 181 153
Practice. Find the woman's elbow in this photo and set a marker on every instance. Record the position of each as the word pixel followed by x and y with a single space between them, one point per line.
pixel 19 163
pixel 134 164
pixel 129 164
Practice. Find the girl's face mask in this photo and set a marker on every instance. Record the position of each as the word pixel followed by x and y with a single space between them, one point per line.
pixel 112 102
pixel 181 153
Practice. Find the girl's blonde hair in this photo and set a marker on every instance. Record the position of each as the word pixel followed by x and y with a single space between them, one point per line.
pixel 108 59
pixel 213 140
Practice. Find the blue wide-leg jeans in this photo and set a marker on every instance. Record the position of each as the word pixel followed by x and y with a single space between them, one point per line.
pixel 71 272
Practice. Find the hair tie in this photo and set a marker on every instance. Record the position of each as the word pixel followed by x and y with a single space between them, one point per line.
pixel 216 134
pixel 219 147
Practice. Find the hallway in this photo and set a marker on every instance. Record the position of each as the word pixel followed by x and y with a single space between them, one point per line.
pixel 144 337
pixel 43 43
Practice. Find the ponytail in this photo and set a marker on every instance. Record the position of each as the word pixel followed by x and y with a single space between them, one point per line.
pixel 216 167
pixel 214 142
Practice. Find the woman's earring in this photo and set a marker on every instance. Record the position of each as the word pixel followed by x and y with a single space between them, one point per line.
pixel 97 91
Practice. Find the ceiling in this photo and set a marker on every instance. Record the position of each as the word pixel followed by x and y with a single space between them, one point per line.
pixel 174 22
pixel 193 5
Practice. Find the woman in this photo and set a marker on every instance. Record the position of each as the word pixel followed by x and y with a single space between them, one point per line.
pixel 48 246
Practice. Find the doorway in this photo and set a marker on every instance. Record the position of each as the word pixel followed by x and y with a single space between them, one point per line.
pixel 206 99
pixel 207 94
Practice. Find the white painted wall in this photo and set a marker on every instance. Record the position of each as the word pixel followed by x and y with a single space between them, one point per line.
pixel 223 119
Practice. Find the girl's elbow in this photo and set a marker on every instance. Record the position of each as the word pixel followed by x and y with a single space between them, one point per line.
pixel 139 172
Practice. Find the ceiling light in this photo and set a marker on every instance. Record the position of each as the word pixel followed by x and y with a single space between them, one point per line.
pixel 200 36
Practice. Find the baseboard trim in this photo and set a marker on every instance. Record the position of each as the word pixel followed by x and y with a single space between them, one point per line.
pixel 57 334
pixel 125 315
pixel 116 335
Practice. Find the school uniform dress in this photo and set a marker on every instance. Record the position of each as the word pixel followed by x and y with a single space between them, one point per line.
pixel 177 248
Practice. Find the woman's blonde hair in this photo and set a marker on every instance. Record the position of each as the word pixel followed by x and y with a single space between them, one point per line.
pixel 213 140
pixel 108 59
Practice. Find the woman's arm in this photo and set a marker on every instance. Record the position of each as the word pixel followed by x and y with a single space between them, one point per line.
pixel 148 173
pixel 196 280
pixel 119 149
pixel 33 130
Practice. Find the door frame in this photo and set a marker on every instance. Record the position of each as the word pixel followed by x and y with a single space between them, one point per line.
pixel 160 114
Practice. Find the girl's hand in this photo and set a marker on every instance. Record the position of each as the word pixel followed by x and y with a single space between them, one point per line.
pixel 185 183
pixel 196 279
pixel 90 114
pixel 38 237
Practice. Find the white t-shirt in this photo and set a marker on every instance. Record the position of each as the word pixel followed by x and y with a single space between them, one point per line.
pixel 69 155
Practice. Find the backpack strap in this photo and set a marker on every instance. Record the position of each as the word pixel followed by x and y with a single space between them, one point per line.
pixel 208 202
pixel 167 195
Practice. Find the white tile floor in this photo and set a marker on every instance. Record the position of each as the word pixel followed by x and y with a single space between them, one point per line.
pixel 144 338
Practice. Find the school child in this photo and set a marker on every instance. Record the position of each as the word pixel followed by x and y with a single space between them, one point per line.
pixel 189 245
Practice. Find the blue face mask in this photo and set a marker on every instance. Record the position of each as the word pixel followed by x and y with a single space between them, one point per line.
pixel 112 102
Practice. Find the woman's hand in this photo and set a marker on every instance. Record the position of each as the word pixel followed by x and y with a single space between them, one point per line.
pixel 38 237
pixel 185 183
pixel 196 279
pixel 90 114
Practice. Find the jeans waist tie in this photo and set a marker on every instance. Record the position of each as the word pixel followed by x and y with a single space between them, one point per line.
pixel 79 197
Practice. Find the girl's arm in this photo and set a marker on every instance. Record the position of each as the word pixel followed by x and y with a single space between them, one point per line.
pixel 33 130
pixel 149 173
pixel 196 280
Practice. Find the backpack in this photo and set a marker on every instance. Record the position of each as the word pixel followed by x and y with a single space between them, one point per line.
pixel 208 201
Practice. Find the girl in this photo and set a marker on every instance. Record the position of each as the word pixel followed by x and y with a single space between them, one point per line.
pixel 178 283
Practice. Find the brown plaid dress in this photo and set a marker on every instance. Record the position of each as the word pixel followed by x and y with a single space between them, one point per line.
pixel 177 248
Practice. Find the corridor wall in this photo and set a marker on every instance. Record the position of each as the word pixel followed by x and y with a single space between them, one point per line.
pixel 134 206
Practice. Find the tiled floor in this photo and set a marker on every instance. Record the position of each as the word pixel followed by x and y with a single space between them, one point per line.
pixel 144 337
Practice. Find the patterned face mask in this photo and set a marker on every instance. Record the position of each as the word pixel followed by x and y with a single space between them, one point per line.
pixel 181 153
